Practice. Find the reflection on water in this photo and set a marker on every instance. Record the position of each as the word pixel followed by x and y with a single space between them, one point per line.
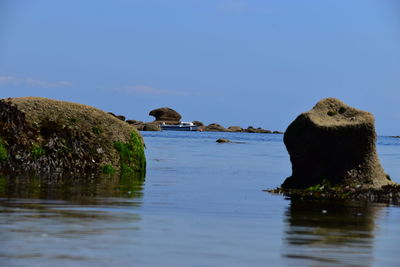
pixel 202 205
pixel 330 232
pixel 72 189
pixel 66 222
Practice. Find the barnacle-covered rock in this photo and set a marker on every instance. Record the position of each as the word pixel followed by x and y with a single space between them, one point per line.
pixel 49 138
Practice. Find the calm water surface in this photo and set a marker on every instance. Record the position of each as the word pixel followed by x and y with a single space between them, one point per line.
pixel 201 204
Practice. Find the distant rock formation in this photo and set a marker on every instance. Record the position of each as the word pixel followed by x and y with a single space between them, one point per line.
pixel 333 143
pixel 198 123
pixel 46 137
pixel 235 129
pixel 215 127
pixel 167 115
pixel 251 129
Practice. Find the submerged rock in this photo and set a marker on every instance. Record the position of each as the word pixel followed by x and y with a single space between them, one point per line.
pixel 223 140
pixel 333 144
pixel 166 115
pixel 50 138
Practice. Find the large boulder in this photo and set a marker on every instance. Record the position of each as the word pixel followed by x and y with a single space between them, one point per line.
pixel 166 115
pixel 335 144
pixel 56 138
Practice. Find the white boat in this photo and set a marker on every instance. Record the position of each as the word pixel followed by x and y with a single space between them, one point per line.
pixel 183 126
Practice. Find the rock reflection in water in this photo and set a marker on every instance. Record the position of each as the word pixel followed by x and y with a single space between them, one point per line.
pixel 72 188
pixel 330 233
pixel 65 221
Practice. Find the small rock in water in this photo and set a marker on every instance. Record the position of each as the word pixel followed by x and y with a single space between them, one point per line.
pixel 223 140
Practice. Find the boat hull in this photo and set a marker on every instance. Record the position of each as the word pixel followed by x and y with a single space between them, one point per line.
pixel 179 128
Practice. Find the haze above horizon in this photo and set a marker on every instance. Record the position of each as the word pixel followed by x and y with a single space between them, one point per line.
pixel 233 62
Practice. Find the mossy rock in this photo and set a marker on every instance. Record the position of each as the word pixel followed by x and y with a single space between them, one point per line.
pixel 55 138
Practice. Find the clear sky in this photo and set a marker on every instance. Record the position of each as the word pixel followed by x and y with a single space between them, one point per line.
pixel 234 62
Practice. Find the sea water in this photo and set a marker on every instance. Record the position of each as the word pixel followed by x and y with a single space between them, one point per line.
pixel 200 204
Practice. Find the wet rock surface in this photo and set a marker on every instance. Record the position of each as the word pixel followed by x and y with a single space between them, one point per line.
pixel 223 140
pixel 389 194
pixel 49 138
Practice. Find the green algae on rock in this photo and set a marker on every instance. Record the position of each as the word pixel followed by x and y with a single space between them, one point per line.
pixel 3 151
pixel 131 154
pixel 54 138
pixel 389 194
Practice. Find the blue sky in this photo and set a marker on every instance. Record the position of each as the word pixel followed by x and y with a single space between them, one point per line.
pixel 234 62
